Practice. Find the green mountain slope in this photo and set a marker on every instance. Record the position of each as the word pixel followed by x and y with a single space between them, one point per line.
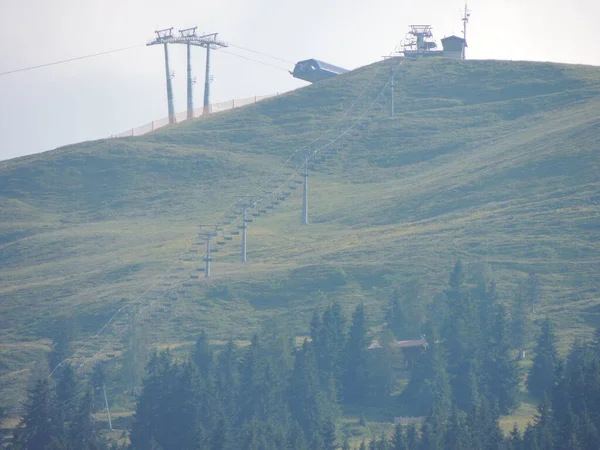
pixel 494 162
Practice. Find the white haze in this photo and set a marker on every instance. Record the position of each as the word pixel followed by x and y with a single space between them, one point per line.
pixel 94 98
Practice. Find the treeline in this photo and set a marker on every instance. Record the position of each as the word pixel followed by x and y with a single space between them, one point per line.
pixel 275 394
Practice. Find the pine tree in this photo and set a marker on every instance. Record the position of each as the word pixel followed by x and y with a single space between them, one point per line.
pixel 39 424
pixel 398 439
pixel 515 441
pixel 544 425
pixel 429 384
pixel 61 335
pixel 569 432
pixel 296 439
pixel 356 371
pixel 329 348
pixel 202 355
pixel 250 374
pixel 519 322
pixel 395 318
pixel 308 404
pixel 533 291
pixel 500 370
pixel 67 394
pixel 328 435
pixel 346 445
pixel 412 437
pixel 227 381
pixel 540 380
pixel 530 438
pixel 363 446
pixel 461 332
pixel 82 432
pixel 456 437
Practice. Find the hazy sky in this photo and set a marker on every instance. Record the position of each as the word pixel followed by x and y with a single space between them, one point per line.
pixel 93 98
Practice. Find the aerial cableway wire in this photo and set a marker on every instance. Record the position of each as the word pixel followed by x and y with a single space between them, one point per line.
pixel 311 143
pixel 253 60
pixel 77 58
pixel 260 199
pixel 116 50
pixel 261 53
pixel 321 136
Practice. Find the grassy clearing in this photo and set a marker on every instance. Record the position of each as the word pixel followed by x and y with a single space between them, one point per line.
pixel 495 162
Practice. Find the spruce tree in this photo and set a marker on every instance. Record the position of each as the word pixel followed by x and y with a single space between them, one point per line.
pixel 83 434
pixel 533 291
pixel 227 381
pixel 544 425
pixel 250 375
pixel 456 437
pixel 67 394
pixel 429 384
pixel 500 369
pixel 202 355
pixel 515 441
pixel 398 439
pixel 61 334
pixel 519 322
pixel 309 404
pixel 328 434
pixel 356 371
pixel 39 426
pixel 395 318
pixel 329 348
pixel 412 437
pixel 296 439
pixel 540 379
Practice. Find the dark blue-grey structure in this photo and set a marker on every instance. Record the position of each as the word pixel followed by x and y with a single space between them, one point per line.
pixel 313 70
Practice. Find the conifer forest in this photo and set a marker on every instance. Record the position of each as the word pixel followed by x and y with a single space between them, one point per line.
pixel 283 393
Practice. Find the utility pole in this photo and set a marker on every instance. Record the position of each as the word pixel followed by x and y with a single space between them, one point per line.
pixel 391 92
pixel 107 408
pixel 305 191
pixel 465 20
pixel 164 37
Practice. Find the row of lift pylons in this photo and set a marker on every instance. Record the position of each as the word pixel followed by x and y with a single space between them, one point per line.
pixel 189 38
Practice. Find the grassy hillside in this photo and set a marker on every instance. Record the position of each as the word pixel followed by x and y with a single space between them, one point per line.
pixel 494 162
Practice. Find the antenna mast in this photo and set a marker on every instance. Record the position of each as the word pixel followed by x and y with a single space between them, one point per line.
pixel 465 20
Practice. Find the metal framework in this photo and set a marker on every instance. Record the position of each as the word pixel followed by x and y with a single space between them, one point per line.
pixel 189 38
pixel 465 20
pixel 208 232
pixel 163 37
pixel 418 40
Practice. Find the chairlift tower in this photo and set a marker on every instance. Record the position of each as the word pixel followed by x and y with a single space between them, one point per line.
pixel 418 41
pixel 189 33
pixel 189 38
pixel 305 190
pixel 207 41
pixel 163 37
pixel 245 204
pixel 207 232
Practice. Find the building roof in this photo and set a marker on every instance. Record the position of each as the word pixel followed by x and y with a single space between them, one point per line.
pixel 453 38
pixel 400 344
